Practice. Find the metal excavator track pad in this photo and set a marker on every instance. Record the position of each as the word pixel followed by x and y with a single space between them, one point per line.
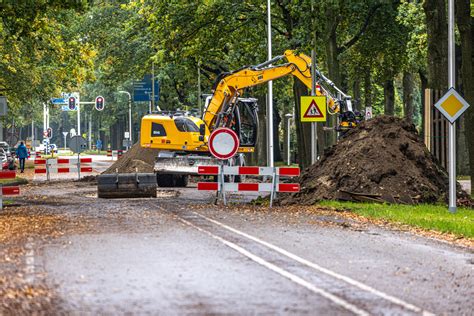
pixel 126 185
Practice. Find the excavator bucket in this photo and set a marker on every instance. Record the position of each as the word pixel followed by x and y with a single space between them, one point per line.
pixel 126 185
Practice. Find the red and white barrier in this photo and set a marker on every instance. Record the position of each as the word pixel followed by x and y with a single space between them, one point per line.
pixel 8 190
pixel 62 165
pixel 275 186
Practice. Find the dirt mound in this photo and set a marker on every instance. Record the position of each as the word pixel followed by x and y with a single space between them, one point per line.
pixel 136 159
pixel 382 157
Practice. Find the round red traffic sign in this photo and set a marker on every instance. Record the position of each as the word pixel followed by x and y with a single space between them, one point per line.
pixel 223 143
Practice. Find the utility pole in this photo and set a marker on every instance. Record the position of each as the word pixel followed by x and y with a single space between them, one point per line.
pixel 129 117
pixel 270 93
pixel 90 131
pixel 78 104
pixel 199 89
pixel 153 85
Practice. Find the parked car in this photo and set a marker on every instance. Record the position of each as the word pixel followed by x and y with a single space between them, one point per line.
pixel 5 146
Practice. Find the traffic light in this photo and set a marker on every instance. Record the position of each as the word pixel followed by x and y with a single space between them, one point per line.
pixel 72 103
pixel 50 132
pixel 99 103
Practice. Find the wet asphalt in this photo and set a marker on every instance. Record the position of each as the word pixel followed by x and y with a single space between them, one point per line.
pixel 179 254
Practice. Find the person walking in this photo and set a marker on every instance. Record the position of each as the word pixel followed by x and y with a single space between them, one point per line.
pixel 22 154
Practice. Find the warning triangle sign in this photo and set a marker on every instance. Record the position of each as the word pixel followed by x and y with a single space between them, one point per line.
pixel 313 111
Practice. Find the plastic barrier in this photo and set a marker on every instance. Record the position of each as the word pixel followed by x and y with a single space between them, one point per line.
pixel 274 172
pixel 8 190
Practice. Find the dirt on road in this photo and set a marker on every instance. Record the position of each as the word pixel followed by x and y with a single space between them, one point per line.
pixel 137 159
pixel 384 156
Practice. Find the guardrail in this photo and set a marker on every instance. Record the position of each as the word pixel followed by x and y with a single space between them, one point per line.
pixel 274 172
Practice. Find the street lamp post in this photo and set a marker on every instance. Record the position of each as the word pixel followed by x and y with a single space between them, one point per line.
pixel 129 117
pixel 288 117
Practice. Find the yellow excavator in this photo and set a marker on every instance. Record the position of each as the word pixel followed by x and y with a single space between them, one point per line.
pixel 182 139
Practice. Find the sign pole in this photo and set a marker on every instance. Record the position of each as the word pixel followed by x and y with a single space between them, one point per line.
pixel 314 139
pixel 314 130
pixel 452 125
pixel 270 94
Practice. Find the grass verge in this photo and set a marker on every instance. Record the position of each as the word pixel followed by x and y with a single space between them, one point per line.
pixel 429 217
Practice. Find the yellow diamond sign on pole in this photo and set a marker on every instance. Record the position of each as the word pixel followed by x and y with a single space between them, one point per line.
pixel 313 109
pixel 452 105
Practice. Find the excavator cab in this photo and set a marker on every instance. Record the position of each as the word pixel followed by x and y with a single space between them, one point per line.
pixel 246 121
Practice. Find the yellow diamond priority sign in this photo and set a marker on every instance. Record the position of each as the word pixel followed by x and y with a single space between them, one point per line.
pixel 452 105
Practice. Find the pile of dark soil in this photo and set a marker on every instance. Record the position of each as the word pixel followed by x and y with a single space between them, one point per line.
pixel 384 156
pixel 136 159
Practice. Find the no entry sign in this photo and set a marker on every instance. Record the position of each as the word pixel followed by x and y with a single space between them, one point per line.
pixel 223 143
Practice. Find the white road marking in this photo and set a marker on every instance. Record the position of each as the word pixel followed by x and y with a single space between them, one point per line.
pixel 336 275
pixel 294 278
pixel 30 261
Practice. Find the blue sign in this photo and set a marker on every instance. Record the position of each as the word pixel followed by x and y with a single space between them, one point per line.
pixel 58 101
pixel 142 90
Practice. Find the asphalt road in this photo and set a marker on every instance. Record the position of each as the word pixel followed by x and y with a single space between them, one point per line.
pixel 179 254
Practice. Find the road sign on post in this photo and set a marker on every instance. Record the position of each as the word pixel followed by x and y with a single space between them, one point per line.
pixel 368 112
pixel 223 143
pixel 452 105
pixel 142 90
pixel 77 144
pixel 313 109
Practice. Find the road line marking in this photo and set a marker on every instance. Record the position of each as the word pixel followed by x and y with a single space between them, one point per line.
pixel 294 278
pixel 336 275
pixel 29 261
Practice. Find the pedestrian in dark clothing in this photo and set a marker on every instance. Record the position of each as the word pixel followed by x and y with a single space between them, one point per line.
pixel 22 154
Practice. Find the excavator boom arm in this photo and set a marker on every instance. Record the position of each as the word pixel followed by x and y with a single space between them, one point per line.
pixel 230 86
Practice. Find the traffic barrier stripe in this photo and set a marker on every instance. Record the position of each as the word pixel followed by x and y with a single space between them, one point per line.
pixel 7 175
pixel 67 169
pixel 289 171
pixel 40 161
pixel 249 187
pixel 14 190
pixel 249 170
pixel 208 186
pixel 208 170
pixel 40 170
pixel 288 187
pixel 256 171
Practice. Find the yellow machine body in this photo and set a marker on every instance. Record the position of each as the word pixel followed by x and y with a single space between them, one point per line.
pixel 173 133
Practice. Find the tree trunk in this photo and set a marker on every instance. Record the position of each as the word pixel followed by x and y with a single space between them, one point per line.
pixel 303 131
pixel 333 65
pixel 367 89
pixel 259 156
pixel 437 30
pixel 466 29
pixel 389 97
pixel 276 134
pixel 356 96
pixel 408 86
pixel 423 87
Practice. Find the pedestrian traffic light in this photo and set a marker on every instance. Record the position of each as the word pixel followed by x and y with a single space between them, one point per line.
pixel 72 103
pixel 99 103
